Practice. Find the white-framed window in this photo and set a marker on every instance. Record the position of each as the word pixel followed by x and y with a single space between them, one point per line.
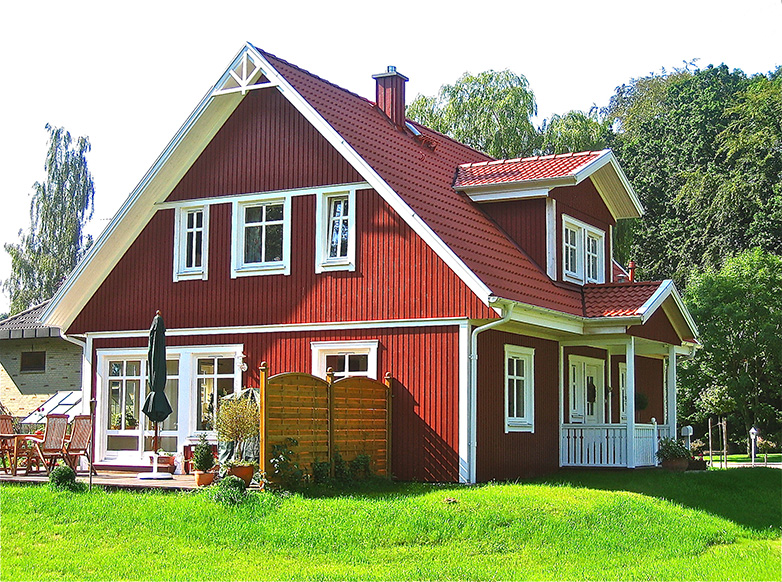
pixel 519 389
pixel 622 392
pixel 583 252
pixel 261 242
pixel 335 231
pixel 345 358
pixel 215 376
pixel 191 243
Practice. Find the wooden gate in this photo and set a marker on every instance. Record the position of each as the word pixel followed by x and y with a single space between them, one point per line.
pixel 351 416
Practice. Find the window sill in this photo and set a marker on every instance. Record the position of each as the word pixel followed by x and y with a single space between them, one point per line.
pixel 342 265
pixel 253 270
pixel 190 276
pixel 519 427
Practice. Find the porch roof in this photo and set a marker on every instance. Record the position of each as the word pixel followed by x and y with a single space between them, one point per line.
pixel 618 299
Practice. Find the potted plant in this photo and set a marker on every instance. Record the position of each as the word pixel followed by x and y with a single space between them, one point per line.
pixel 673 455
pixel 237 421
pixel 203 461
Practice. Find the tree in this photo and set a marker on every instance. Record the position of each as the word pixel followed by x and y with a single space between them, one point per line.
pixel 575 131
pixel 738 371
pixel 60 207
pixel 490 112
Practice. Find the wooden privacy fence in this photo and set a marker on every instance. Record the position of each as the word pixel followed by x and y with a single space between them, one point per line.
pixel 351 417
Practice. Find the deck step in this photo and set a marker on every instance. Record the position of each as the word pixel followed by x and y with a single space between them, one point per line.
pixel 131 468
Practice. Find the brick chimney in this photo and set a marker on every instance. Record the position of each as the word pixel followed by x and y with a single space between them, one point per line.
pixel 390 95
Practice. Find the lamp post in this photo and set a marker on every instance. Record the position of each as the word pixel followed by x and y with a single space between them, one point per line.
pixel 753 434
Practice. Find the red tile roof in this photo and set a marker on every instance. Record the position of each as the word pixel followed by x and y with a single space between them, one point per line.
pixel 617 299
pixel 523 169
pixel 423 178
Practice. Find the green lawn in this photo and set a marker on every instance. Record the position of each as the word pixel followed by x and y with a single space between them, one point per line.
pixel 620 525
pixel 772 458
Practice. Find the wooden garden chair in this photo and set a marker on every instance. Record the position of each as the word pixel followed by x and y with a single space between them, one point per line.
pixel 6 440
pixel 78 443
pixel 44 451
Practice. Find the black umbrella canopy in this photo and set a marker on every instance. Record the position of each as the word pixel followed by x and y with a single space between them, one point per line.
pixel 156 406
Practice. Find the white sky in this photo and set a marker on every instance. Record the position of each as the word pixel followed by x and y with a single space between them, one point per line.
pixel 128 75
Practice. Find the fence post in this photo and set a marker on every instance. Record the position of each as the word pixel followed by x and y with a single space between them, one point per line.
pixel 388 379
pixel 330 401
pixel 264 376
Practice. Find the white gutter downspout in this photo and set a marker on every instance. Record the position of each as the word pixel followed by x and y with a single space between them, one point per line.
pixel 507 312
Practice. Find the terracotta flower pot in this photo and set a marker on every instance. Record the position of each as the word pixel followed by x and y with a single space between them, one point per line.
pixel 244 472
pixel 676 465
pixel 203 479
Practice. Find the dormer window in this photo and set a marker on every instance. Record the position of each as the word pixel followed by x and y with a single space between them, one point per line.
pixel 583 252
pixel 261 240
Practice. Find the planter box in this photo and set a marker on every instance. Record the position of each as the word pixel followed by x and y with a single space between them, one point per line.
pixel 676 465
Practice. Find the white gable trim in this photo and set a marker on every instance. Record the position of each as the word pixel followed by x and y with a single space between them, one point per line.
pixel 182 151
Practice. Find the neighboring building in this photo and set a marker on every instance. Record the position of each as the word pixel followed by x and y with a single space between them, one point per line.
pixel 293 222
pixel 35 362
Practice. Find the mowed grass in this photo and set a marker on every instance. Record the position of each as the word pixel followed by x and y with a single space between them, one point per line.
pixel 717 525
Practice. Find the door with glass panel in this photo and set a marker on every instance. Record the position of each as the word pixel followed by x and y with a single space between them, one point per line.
pixel 128 429
pixel 215 378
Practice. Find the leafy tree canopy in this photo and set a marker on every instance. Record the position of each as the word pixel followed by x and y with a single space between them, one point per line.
pixel 738 371
pixel 490 112
pixel 575 131
pixel 61 205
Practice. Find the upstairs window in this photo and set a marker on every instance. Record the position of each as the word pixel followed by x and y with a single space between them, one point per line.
pixel 346 358
pixel 335 232
pixel 519 389
pixel 583 252
pixel 190 246
pixel 261 241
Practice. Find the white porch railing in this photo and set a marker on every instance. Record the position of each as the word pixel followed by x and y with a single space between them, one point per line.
pixel 605 445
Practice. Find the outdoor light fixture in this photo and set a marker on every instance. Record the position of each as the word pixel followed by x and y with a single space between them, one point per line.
pixel 753 434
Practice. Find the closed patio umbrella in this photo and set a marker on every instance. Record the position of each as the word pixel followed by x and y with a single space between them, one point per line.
pixel 156 405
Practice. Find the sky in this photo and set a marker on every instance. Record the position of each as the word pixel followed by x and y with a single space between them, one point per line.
pixel 128 74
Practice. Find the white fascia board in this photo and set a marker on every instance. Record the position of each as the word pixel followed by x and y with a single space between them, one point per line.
pixel 650 306
pixel 514 194
pixel 394 200
pixel 546 318
pixel 593 166
pixel 132 216
pixel 607 157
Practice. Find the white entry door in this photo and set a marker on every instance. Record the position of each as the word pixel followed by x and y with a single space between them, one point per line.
pixel 587 390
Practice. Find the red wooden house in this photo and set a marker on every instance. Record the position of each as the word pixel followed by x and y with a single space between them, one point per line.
pixel 294 222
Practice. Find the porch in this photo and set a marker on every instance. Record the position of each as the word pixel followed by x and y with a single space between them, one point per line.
pixel 607 445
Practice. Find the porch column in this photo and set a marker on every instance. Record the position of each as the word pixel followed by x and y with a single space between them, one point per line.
pixel 630 361
pixel 671 412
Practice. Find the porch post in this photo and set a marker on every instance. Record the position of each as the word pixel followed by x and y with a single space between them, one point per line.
pixel 671 412
pixel 630 361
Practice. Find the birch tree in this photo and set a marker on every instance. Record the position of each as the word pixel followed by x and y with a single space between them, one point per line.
pixel 60 207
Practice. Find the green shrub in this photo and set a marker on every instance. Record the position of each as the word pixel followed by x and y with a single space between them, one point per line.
pixel 63 478
pixel 203 459
pixel 286 470
pixel 320 472
pixel 672 449
pixel 361 467
pixel 230 490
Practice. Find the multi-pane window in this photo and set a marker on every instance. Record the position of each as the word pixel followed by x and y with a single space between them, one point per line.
pixel 339 222
pixel 583 252
pixel 191 243
pixel 519 388
pixel 261 242
pixel 335 231
pixel 348 364
pixel 263 233
pixel 346 358
pixel 570 254
pixel 215 378
pixel 194 239
pixel 124 394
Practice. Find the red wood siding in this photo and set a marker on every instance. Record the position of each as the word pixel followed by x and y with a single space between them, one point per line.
pixel 502 455
pixel 423 362
pixel 265 145
pixel 649 380
pixel 524 221
pixel 583 202
pixel 398 277
pixel 657 327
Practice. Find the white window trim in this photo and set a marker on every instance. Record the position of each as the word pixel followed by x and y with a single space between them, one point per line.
pixel 321 349
pixel 622 392
pixel 525 423
pixel 322 231
pixel 181 272
pixel 583 231
pixel 238 266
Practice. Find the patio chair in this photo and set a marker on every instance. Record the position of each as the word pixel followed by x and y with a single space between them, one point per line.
pixel 78 443
pixel 6 440
pixel 48 449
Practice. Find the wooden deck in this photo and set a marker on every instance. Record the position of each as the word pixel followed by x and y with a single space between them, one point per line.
pixel 111 479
